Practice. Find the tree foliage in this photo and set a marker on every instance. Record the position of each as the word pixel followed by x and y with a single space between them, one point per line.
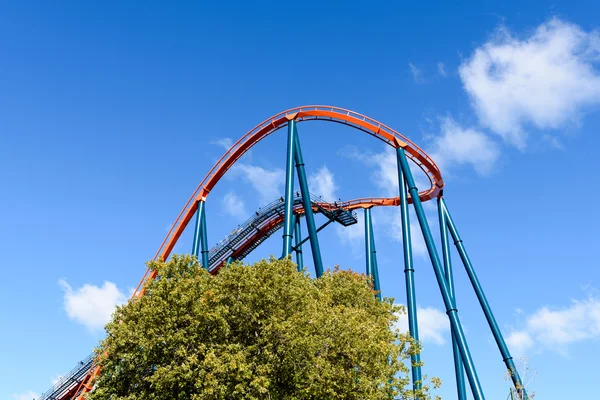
pixel 260 332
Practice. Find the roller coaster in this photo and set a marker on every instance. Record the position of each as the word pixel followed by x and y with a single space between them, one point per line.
pixel 287 212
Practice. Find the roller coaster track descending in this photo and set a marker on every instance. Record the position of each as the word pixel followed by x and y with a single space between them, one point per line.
pixel 238 244
pixel 286 212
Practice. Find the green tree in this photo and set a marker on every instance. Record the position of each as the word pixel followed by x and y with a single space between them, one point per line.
pixel 260 332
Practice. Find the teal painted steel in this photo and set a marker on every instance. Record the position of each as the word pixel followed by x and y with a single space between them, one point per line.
pixel 229 261
pixel 368 243
pixel 196 242
pixel 308 237
pixel 507 358
pixel 203 237
pixel 289 190
pixel 375 274
pixel 409 271
pixel 298 245
pixel 458 365
pixel 441 279
pixel 307 203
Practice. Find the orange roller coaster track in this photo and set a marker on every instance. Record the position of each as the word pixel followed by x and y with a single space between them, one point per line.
pixel 288 215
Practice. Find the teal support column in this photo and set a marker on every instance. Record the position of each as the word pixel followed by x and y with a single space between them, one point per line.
pixel 368 242
pixel 298 245
pixel 441 279
pixel 204 239
pixel 374 268
pixel 307 203
pixel 506 357
pixel 230 259
pixel 458 365
pixel 409 272
pixel 289 191
pixel 197 228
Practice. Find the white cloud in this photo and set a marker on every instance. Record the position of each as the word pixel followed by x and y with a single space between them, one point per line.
pixel 385 169
pixel 385 177
pixel 553 142
pixel 322 183
pixel 556 329
pixel 29 395
pixel 546 80
pixel 442 69
pixel 416 73
pixel 434 325
pixel 519 342
pixel 458 145
pixel 234 206
pixel 577 322
pixel 268 183
pixel 90 305
pixel 223 142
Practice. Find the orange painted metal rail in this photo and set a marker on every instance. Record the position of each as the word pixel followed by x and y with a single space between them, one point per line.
pixel 255 135
pixel 278 121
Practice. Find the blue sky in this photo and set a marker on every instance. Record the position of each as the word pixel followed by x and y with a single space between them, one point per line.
pixel 111 113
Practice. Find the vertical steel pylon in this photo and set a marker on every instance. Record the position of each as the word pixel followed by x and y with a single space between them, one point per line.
pixel 409 272
pixel 294 153
pixel 200 235
pixel 441 279
pixel 506 357
pixel 371 253
pixel 458 364
pixel 307 203
pixel 289 191
pixel 298 245
pixel 368 243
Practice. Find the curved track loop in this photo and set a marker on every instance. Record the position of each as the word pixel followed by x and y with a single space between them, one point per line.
pixel 276 122
pixel 259 132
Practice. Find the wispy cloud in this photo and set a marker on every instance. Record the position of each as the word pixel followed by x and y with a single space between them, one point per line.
pixel 519 342
pixel 434 326
pixel 441 69
pixel 456 145
pixel 233 205
pixel 417 74
pixel 322 183
pixel 267 182
pixel 385 176
pixel 545 80
pixel 223 142
pixel 29 395
pixel 553 328
pixel 91 305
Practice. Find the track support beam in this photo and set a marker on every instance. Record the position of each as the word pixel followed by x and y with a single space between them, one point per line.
pixel 289 191
pixel 409 277
pixel 506 357
pixel 368 243
pixel 200 238
pixel 458 364
pixel 297 244
pixel 371 253
pixel 306 202
pixel 441 279
pixel 319 229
